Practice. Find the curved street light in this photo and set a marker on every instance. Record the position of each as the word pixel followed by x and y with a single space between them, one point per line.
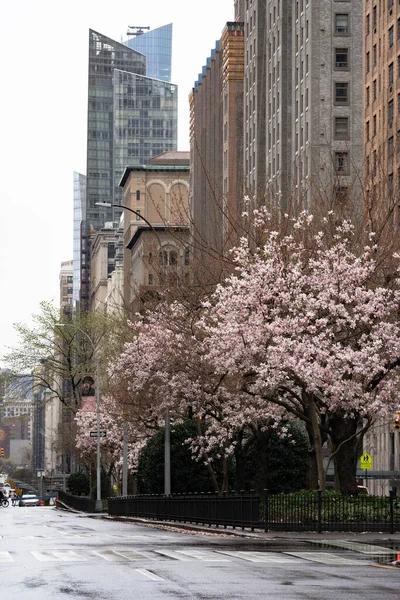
pixel 98 504
pixel 135 212
pixel 167 429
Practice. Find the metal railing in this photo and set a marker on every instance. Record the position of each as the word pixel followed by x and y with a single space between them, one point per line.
pixel 332 512
pixel 309 511
pixel 234 510
pixel 82 503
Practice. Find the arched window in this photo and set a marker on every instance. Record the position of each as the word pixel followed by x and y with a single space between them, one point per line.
pixel 138 195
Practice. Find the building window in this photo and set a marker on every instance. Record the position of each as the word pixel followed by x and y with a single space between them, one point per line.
pixel 137 215
pixel 150 279
pixel 341 194
pixel 398 28
pixel 374 120
pixel 367 131
pixel 342 128
pixel 391 147
pixel 367 96
pixel 367 62
pixel 375 87
pixel 341 58
pixel 374 55
pixel 374 19
pixel 391 36
pixel 367 24
pixel 341 24
pixel 391 73
pixel 390 112
pixel 341 92
pixel 342 163
pixel 390 185
pixel 138 195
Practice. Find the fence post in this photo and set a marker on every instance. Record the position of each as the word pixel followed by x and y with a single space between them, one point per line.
pixel 392 497
pixel 266 515
pixel 319 511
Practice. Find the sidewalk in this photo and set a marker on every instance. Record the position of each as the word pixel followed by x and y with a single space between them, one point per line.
pixel 368 537
pixel 359 537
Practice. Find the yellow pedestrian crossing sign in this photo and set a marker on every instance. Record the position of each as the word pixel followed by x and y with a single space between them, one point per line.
pixel 366 461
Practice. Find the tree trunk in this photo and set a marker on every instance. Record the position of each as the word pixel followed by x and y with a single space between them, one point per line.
pixel 239 466
pixel 346 451
pixel 316 432
pixel 312 469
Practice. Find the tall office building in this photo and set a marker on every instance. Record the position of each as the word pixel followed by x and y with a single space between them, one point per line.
pixel 156 45
pixel 216 141
pixel 382 104
pixel 131 117
pixel 79 211
pixel 303 96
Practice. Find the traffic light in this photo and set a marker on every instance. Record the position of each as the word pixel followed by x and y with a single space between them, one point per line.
pixel 1 451
pixel 396 421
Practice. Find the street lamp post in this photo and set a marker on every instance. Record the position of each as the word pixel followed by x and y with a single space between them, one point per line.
pixel 98 504
pixel 167 444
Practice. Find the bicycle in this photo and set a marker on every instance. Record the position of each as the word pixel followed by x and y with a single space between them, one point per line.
pixel 4 502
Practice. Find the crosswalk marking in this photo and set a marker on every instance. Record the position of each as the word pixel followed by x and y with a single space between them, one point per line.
pixel 203 555
pixel 44 556
pixel 259 557
pixel 357 547
pixel 57 556
pixel 185 555
pixel 149 575
pixel 68 556
pixel 110 555
pixel 327 558
pixel 5 556
pixel 173 554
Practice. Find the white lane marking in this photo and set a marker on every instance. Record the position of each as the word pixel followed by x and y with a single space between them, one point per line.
pixel 203 555
pixel 132 537
pixel 130 554
pixel 327 558
pixel 68 556
pixel 259 557
pixel 110 555
pixel 5 556
pixel 173 554
pixel 45 556
pixel 357 547
pixel 149 575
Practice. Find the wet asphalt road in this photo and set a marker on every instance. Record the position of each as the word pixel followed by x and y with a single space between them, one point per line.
pixel 47 553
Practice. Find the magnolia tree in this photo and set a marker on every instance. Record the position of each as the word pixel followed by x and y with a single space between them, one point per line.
pixel 111 421
pixel 167 367
pixel 306 326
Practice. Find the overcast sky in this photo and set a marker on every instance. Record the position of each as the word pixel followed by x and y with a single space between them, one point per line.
pixel 43 103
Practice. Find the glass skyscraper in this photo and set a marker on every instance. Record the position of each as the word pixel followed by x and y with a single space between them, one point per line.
pixel 136 117
pixel 156 45
pixel 145 119
pixel 79 210
pixel 132 116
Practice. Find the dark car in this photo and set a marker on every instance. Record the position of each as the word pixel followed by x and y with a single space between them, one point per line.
pixel 29 500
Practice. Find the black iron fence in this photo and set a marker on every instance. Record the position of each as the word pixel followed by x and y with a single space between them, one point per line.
pixel 235 510
pixel 82 503
pixel 332 512
pixel 308 511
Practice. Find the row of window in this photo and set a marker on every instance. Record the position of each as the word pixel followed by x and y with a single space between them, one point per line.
pixel 372 130
pixel 371 21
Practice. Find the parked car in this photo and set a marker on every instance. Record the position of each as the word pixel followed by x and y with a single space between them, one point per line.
pixel 29 500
